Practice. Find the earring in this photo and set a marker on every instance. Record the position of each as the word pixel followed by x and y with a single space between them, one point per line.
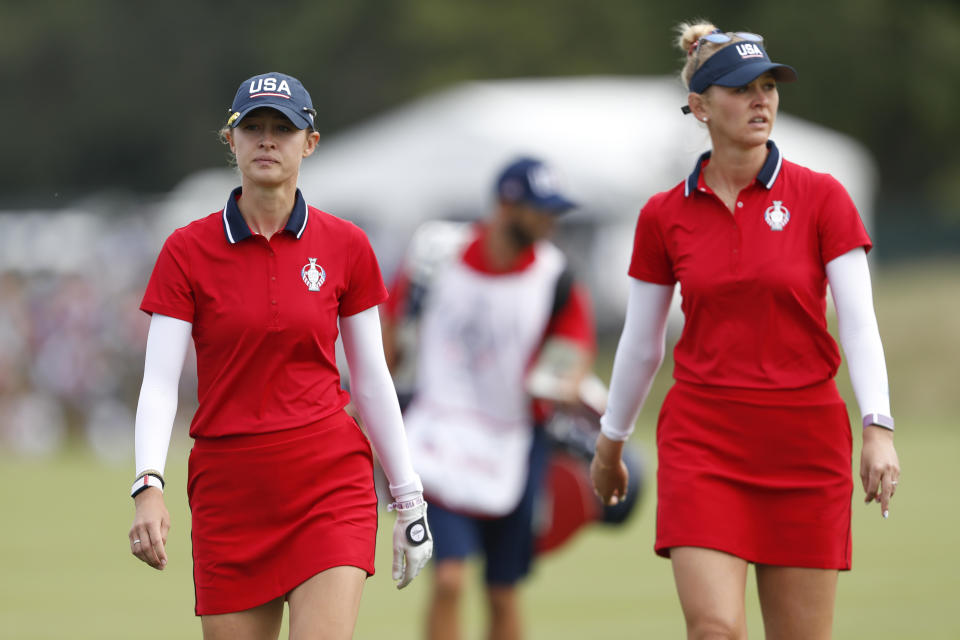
pixel 705 118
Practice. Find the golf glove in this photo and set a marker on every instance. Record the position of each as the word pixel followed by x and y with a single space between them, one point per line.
pixel 412 542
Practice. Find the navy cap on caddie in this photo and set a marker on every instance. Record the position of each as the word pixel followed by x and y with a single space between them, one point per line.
pixel 278 91
pixel 530 181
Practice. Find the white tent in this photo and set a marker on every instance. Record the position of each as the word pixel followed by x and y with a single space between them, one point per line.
pixel 615 141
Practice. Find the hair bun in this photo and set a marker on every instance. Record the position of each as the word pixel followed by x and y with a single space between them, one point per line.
pixel 690 34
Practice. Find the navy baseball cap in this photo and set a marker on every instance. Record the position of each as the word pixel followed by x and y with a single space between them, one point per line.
pixel 529 181
pixel 737 65
pixel 278 91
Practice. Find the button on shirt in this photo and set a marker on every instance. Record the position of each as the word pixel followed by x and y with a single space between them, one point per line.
pixel 264 313
pixel 752 280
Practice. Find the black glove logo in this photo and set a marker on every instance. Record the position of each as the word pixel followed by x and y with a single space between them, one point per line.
pixel 417 532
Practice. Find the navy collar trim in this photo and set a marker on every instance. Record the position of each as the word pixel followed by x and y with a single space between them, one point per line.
pixel 236 229
pixel 767 175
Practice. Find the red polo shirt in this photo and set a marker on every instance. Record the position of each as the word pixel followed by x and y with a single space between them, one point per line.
pixel 753 282
pixel 264 313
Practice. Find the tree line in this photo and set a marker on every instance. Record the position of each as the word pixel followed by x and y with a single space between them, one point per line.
pixel 109 94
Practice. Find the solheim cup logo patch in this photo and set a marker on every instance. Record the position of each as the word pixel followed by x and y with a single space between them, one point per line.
pixel 313 275
pixel 777 216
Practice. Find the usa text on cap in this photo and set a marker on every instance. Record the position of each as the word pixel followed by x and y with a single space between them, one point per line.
pixel 737 65
pixel 277 91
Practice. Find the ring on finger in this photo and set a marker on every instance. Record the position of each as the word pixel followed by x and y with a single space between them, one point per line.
pixel 137 541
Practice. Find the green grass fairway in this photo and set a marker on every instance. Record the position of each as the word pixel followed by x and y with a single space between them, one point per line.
pixel 66 572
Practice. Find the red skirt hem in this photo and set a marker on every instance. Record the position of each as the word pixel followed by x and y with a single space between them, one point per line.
pixel 765 476
pixel 270 511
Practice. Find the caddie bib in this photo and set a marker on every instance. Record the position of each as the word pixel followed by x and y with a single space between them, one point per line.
pixel 469 426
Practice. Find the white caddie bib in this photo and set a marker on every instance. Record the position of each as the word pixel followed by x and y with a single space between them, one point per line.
pixel 469 426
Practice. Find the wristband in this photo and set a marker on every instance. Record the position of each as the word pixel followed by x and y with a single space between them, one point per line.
pixel 147 479
pixel 154 473
pixel 879 420
pixel 408 504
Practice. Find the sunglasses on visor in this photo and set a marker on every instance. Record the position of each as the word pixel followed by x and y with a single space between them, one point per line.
pixel 718 37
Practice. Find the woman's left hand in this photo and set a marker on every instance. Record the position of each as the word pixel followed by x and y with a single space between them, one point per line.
pixel 151 523
pixel 608 472
pixel 879 467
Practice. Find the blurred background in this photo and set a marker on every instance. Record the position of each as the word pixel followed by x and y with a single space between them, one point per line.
pixel 112 112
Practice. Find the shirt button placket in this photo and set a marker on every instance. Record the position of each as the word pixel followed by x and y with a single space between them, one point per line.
pixel 274 294
pixel 736 242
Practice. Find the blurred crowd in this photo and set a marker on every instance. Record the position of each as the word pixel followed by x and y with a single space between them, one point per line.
pixel 71 333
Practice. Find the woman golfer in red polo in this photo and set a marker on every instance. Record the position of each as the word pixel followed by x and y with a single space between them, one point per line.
pixel 753 439
pixel 280 477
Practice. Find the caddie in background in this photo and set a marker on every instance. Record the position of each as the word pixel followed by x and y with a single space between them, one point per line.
pixel 495 324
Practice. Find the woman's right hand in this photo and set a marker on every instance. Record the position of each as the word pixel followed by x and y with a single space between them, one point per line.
pixel 608 471
pixel 151 522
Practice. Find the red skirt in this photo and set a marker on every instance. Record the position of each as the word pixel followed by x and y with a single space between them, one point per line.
pixel 763 475
pixel 270 511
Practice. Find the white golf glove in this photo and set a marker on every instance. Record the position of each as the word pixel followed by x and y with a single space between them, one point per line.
pixel 412 542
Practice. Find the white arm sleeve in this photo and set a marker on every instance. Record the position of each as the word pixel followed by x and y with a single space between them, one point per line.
pixel 849 278
pixel 167 344
pixel 376 399
pixel 639 356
